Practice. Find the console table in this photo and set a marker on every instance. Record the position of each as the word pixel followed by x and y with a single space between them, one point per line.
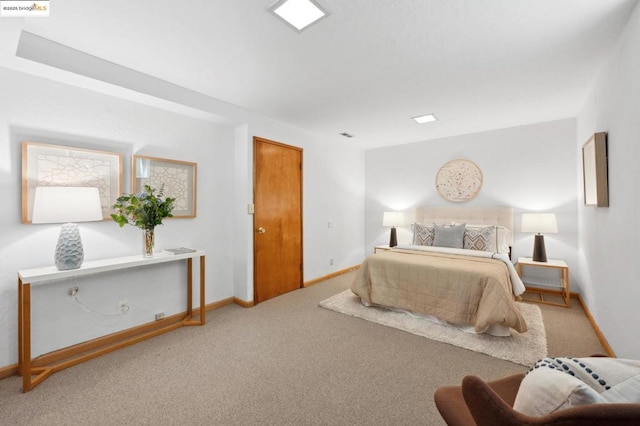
pixel 37 276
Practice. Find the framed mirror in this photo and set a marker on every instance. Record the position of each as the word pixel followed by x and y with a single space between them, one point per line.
pixel 594 171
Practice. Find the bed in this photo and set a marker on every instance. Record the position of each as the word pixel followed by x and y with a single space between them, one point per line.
pixel 470 284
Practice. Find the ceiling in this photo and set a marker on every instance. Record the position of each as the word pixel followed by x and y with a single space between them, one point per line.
pixel 365 70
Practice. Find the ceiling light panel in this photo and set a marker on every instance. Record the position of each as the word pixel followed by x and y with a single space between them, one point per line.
pixel 428 118
pixel 299 13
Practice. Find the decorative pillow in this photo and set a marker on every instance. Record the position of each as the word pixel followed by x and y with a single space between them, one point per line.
pixel 423 234
pixel 502 239
pixel 449 236
pixel 482 239
pixel 557 383
pixel 546 389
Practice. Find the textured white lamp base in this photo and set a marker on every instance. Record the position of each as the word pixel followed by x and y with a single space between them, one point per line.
pixel 69 252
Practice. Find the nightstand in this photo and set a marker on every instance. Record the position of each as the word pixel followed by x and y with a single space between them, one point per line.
pixel 381 248
pixel 564 279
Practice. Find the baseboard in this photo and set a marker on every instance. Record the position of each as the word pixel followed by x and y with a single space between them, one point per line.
pixel 601 337
pixel 250 303
pixel 94 344
pixel 8 371
pixel 596 329
pixel 243 303
pixel 75 350
pixel 215 305
pixel 331 275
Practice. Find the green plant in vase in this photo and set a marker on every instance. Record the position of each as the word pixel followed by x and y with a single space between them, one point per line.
pixel 146 210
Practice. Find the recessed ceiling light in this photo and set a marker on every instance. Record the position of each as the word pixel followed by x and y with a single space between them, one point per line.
pixel 421 119
pixel 299 13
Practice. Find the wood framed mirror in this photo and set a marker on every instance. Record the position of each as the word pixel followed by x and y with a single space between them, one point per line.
pixel 594 171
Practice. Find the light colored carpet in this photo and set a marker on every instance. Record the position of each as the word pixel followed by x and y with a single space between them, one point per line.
pixel 523 349
pixel 283 362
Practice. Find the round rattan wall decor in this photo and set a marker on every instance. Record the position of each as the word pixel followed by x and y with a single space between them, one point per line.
pixel 459 180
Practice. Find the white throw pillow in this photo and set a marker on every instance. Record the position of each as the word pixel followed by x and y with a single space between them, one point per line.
pixel 557 383
pixel 544 391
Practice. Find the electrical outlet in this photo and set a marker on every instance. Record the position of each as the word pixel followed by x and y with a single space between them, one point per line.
pixel 159 316
pixel 331 261
pixel 73 291
pixel 124 306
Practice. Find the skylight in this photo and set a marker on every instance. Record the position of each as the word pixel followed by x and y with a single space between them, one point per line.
pixel 298 13
pixel 428 118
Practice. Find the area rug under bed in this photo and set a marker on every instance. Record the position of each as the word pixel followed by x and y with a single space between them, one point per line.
pixel 525 349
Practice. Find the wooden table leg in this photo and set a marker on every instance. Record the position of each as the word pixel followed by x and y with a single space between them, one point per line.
pixel 565 281
pixel 20 343
pixel 25 332
pixel 202 295
pixel 190 288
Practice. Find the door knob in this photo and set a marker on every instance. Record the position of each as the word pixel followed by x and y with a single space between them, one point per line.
pixel 261 230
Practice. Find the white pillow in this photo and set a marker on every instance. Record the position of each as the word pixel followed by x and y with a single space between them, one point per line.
pixel 502 239
pixel 557 383
pixel 544 391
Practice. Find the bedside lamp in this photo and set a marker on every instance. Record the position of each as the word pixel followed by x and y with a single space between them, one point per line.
pixel 393 219
pixel 56 204
pixel 539 223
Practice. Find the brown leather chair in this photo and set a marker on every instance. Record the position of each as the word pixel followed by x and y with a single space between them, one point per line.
pixel 491 404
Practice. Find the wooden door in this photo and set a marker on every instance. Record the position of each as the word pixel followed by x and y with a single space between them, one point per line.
pixel 277 219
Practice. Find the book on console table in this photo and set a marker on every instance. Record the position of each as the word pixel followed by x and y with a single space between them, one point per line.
pixel 180 250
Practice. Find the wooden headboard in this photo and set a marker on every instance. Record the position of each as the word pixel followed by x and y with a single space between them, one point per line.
pixel 501 216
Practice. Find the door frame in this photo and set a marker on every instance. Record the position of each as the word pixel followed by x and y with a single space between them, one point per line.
pixel 253 228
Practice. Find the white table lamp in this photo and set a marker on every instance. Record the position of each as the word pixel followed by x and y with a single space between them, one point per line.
pixel 58 204
pixel 539 223
pixel 393 219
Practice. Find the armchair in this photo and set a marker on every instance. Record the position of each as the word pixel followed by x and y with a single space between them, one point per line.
pixel 491 404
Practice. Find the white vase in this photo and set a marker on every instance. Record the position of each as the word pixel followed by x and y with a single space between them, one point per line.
pixel 69 252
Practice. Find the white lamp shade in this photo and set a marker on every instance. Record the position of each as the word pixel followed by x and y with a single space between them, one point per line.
pixel 542 223
pixel 62 204
pixel 393 219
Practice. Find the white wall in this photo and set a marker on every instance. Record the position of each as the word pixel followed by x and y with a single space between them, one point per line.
pixel 530 168
pixel 333 188
pixel 609 244
pixel 37 109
